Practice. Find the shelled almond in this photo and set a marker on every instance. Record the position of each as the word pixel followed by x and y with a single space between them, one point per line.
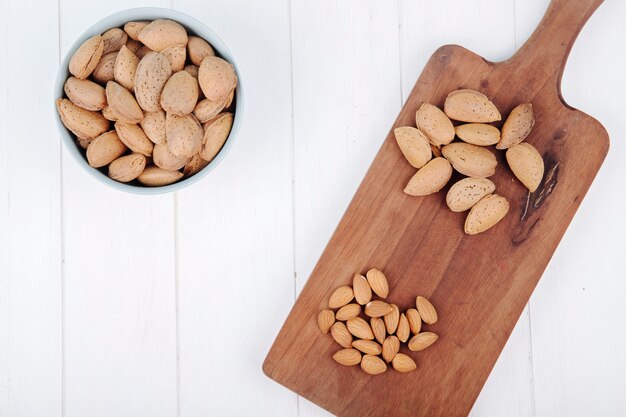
pixel 375 342
pixel 360 328
pixel 378 328
pixel 347 312
pixel 170 96
pixel 325 320
pixel 403 363
pixel 348 357
pixel 430 147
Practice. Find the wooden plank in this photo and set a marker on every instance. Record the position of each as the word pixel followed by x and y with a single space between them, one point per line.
pixel 582 289
pixel 384 228
pixel 346 92
pixel 488 28
pixel 235 228
pixel 30 214
pixel 120 312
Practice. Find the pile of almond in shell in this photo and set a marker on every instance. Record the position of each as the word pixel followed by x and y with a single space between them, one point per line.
pixel 376 343
pixel 470 156
pixel 166 94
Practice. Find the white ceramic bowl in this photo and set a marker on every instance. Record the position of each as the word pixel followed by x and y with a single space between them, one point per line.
pixel 194 27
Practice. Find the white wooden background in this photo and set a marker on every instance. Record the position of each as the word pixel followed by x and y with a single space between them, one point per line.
pixel 120 305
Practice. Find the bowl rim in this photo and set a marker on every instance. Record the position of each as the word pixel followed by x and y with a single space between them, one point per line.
pixel 117 19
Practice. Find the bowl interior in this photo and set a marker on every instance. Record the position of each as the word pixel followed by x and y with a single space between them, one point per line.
pixel 193 27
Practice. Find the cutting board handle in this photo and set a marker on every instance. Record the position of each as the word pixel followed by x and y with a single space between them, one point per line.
pixel 547 49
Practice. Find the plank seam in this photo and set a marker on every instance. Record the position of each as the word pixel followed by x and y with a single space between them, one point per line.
pixel 398 14
pixel 533 410
pixel 293 171
pixel 177 288
pixel 62 237
pixel 177 302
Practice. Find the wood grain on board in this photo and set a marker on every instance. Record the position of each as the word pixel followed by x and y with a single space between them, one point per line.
pixel 480 284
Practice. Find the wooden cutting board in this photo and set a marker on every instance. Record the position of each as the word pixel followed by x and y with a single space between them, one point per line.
pixel 479 284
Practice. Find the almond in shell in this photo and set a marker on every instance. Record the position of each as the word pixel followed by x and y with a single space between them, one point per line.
pixel 183 134
pixel 113 40
pixel 177 55
pixel 426 310
pixel 527 164
pixel 125 68
pixel 84 60
pixel 434 124
pixel 198 49
pixel 377 308
pixel 517 126
pixel 340 297
pixel 486 213
pixel 127 168
pixel 154 176
pixel 134 28
pixel 341 335
pixel 134 138
pixel 347 357
pixel 85 93
pixel 362 290
pixel 470 160
pixel 153 125
pixel 143 51
pixel 153 71
pixel 378 328
pixel 373 365
pixel 109 114
pixel 166 160
pixel 391 320
pixel 347 312
pixel 206 109
pixel 470 106
pixel 478 134
pixel 378 282
pixel 84 143
pixel 105 149
pixel 105 70
pixel 464 194
pixel 162 33
pixel 217 78
pixel 367 346
pixel 360 328
pixel 133 46
pixel 192 69
pixel 325 318
pixel 431 178
pixel 229 99
pixel 414 145
pixel 83 123
pixel 403 363
pixel 391 346
pixel 215 135
pixel 123 103
pixel 195 165
pixel 180 94
pixel 422 340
